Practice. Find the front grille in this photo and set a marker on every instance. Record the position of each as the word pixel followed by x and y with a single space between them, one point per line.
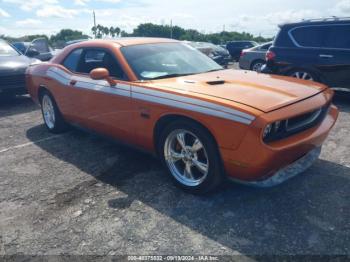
pixel 13 81
pixel 299 124
pixel 303 121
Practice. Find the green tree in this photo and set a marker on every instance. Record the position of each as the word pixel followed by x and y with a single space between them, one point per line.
pixel 94 30
pixel 152 30
pixel 112 31
pixel 66 35
pixel 99 31
pixel 105 30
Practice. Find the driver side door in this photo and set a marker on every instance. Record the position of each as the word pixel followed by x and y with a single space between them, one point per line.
pixel 95 104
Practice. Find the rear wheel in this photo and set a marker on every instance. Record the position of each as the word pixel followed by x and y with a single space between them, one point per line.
pixel 51 114
pixel 191 157
pixel 303 74
pixel 257 65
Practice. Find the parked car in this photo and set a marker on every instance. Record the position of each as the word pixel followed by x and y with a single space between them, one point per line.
pixel 39 48
pixel 254 58
pixel 316 50
pixel 219 54
pixel 203 122
pixel 12 70
pixel 235 48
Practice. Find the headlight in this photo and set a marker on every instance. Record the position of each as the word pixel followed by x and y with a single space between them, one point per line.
pixel 267 130
pixel 273 130
pixel 277 126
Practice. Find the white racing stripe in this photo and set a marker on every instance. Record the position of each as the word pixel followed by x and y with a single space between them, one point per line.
pixel 193 101
pixel 153 96
pixel 87 83
pixel 191 107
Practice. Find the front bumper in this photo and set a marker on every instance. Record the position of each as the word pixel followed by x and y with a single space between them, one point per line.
pixel 294 169
pixel 254 160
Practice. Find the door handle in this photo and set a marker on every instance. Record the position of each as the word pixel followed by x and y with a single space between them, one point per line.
pixel 326 56
pixel 72 82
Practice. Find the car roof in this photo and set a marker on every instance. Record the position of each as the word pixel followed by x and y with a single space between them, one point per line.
pixel 127 41
pixel 320 21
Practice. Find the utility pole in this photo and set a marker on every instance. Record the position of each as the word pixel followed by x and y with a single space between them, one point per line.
pixel 171 29
pixel 224 29
pixel 95 32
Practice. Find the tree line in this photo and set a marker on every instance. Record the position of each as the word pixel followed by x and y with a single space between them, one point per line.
pixel 143 30
pixel 176 32
pixel 57 40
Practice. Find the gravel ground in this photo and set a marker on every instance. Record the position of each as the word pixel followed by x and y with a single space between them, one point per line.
pixel 80 194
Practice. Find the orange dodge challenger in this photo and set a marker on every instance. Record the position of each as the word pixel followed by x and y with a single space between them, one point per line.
pixel 205 123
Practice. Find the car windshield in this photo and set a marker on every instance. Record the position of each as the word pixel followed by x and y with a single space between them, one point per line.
pixel 7 50
pixel 165 60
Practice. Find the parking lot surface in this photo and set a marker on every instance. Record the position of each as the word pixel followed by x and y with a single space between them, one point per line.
pixel 77 193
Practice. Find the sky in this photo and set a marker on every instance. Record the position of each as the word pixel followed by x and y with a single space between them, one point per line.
pixel 23 17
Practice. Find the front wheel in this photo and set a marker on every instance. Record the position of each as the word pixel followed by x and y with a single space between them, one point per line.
pixel 191 156
pixel 51 114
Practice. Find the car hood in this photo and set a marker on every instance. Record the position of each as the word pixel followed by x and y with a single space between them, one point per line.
pixel 14 64
pixel 260 91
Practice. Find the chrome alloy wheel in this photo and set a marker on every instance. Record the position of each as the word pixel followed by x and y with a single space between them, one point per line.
pixel 186 157
pixel 48 111
pixel 302 75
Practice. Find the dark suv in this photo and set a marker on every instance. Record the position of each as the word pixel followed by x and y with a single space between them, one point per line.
pixel 235 48
pixel 316 50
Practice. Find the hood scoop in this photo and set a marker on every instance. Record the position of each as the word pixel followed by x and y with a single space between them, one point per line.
pixel 216 82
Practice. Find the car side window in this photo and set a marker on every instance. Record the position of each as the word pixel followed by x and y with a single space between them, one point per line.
pixel 97 58
pixel 72 60
pixel 338 37
pixel 311 36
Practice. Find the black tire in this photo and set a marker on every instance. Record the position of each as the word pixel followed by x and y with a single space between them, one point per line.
pixel 215 174
pixel 292 73
pixel 58 125
pixel 255 63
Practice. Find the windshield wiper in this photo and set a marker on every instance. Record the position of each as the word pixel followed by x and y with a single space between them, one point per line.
pixel 214 70
pixel 170 76
pixel 178 75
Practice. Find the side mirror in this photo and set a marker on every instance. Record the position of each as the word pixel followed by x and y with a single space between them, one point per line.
pixel 31 52
pixel 102 74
